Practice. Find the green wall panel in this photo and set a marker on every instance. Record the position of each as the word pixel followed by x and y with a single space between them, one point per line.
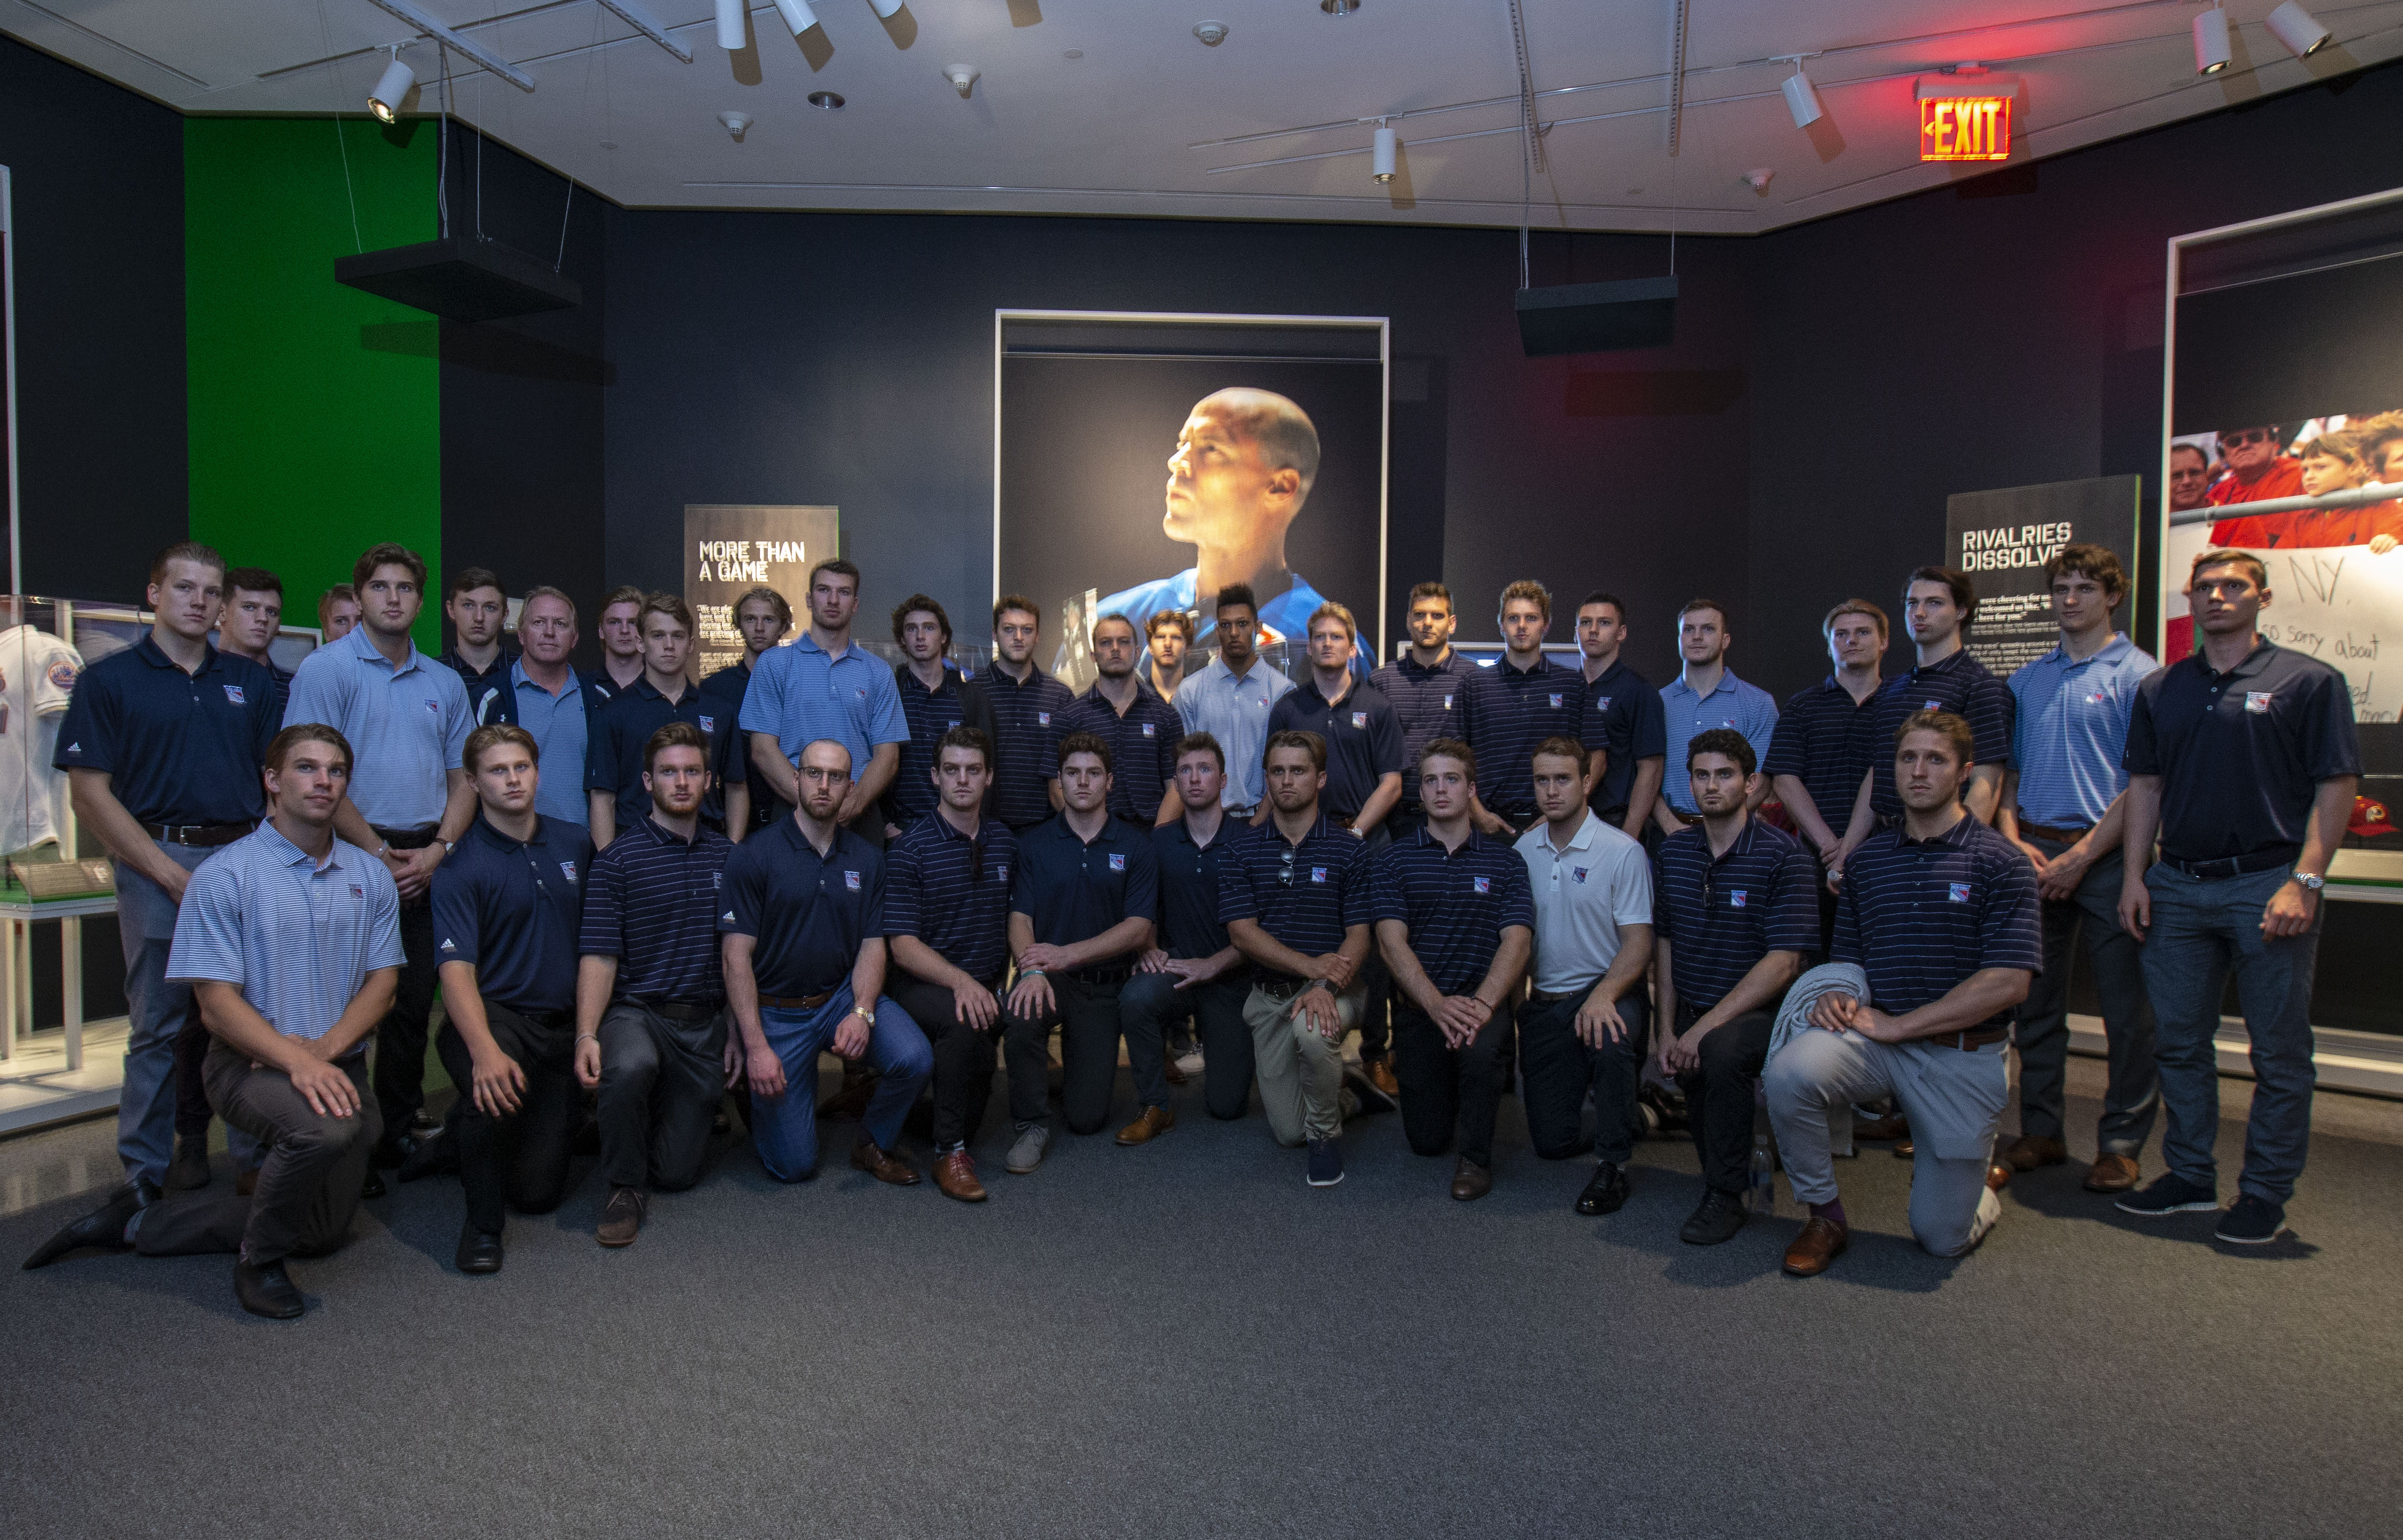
pixel 316 416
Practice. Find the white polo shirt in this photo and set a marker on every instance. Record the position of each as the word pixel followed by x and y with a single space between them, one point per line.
pixel 1585 896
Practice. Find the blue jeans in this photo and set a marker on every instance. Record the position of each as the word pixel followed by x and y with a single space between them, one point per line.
pixel 786 1130
pixel 156 1012
pixel 2131 1095
pixel 2202 932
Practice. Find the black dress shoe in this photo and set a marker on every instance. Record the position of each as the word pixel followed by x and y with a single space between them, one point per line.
pixel 1606 1192
pixel 478 1251
pixel 424 1121
pixel 190 1168
pixel 372 1187
pixel 435 1157
pixel 394 1152
pixel 102 1229
pixel 267 1291
pixel 1715 1219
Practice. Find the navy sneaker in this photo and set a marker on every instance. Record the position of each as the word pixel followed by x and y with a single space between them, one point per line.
pixel 1326 1163
pixel 2251 1221
pixel 2170 1193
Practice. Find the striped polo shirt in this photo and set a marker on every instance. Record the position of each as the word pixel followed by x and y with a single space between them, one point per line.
pixel 1304 895
pixel 1922 915
pixel 1823 741
pixel 1029 719
pixel 952 892
pixel 930 714
pixel 651 902
pixel 1510 710
pixel 1427 704
pixel 1143 748
pixel 1455 902
pixel 1364 739
pixel 1956 682
pixel 1719 915
pixel 298 937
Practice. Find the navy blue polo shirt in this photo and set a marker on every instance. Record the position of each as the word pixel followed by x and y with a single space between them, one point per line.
pixel 1724 914
pixel 613 751
pixel 1956 682
pixel 487 692
pixel 1428 703
pixel 651 902
pixel 1510 710
pixel 1454 902
pixel 1189 874
pixel 808 912
pixel 179 748
pixel 1624 717
pixel 1073 891
pixel 1143 748
pixel 729 685
pixel 1922 915
pixel 1029 720
pixel 283 677
pixel 1364 739
pixel 930 714
pixel 952 892
pixel 2240 754
pixel 513 912
pixel 1304 895
pixel 1823 740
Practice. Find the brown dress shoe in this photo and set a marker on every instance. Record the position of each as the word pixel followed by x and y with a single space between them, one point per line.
pixel 1154 1122
pixel 882 1165
pixel 1894 1125
pixel 621 1220
pixel 1904 1149
pixel 1822 1242
pixel 1380 1074
pixel 1470 1181
pixel 2112 1174
pixel 1998 1174
pixel 955 1174
pixel 2028 1151
pixel 246 1182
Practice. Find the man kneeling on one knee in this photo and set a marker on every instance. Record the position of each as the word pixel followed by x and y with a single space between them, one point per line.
pixel 1939 915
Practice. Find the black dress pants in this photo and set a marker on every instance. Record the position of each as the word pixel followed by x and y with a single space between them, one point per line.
pixel 1151 1001
pixel 1719 1095
pixel 1086 1009
pixel 400 1036
pixel 1444 1088
pixel 661 1080
pixel 520 1160
pixel 1556 1069
pixel 964 1056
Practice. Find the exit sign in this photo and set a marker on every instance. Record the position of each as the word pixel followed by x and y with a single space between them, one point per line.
pixel 1965 128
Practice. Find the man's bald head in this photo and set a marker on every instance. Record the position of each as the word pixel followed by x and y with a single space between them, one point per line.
pixel 1287 439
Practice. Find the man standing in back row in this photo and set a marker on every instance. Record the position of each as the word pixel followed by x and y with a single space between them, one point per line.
pixel 763 617
pixel 1030 717
pixel 1937 604
pixel 826 685
pixel 1705 697
pixel 936 698
pixel 1623 719
pixel 1139 728
pixel 1516 704
pixel 1231 699
pixel 1822 749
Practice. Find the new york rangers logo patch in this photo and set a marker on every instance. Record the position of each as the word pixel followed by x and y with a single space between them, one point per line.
pixel 1043 718
pixel 1118 863
pixel 233 694
pixel 851 880
pixel 1360 718
pixel 709 723
pixel 1318 874
pixel 1577 874
pixel 567 870
pixel 1958 892
pixel 1737 897
pixel 1151 729
pixel 1556 702
pixel 1481 885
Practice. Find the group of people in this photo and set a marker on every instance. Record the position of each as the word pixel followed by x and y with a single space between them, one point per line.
pixel 638 893
pixel 2256 463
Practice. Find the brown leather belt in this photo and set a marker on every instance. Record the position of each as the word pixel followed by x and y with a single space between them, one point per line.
pixel 1689 819
pixel 797 1002
pixel 1343 821
pixel 1976 1037
pixel 1283 986
pixel 2059 836
pixel 197 836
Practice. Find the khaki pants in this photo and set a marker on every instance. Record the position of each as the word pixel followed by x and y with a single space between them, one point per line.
pixel 1300 1074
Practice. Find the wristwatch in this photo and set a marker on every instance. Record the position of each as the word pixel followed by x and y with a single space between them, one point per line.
pixel 2311 881
pixel 864 1013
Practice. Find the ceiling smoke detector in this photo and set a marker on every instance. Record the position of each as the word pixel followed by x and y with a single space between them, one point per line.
pixel 1211 32
pixel 1759 180
pixel 735 122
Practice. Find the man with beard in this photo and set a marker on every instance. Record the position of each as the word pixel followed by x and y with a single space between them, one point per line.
pixel 1139 728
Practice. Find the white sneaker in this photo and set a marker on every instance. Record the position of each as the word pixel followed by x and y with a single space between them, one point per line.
pixel 1189 1061
pixel 1027 1153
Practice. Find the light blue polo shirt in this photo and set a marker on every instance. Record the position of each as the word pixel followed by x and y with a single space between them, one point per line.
pixel 802 693
pixel 2072 730
pixel 1234 710
pixel 406 726
pixel 1746 708
pixel 297 938
pixel 558 728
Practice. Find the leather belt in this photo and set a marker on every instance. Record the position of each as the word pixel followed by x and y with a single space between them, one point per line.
pixel 2058 835
pixel 197 836
pixel 1689 819
pixel 2233 866
pixel 404 839
pixel 1343 820
pixel 1976 1037
pixel 797 1002
pixel 1242 815
pixel 678 1011
pixel 1097 977
pixel 1278 986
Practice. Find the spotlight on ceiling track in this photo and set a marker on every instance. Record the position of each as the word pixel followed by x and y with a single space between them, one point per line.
pixel 2211 49
pixel 391 89
pixel 798 16
pixel 732 31
pixel 885 9
pixel 1380 156
pixel 1802 98
pixel 2298 29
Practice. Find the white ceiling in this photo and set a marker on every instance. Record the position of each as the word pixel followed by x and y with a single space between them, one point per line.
pixel 1148 120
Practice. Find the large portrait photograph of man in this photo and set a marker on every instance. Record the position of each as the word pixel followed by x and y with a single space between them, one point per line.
pixel 1146 463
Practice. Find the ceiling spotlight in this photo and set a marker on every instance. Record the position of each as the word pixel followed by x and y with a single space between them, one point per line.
pixel 1211 32
pixel 391 87
pixel 962 76
pixel 827 101
pixel 885 9
pixel 798 16
pixel 732 25
pixel 1381 155
pixel 735 122
pixel 2298 29
pixel 1339 7
pixel 1802 98
pixel 1759 180
pixel 2210 50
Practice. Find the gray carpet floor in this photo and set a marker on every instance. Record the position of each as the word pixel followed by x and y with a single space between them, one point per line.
pixel 1184 1340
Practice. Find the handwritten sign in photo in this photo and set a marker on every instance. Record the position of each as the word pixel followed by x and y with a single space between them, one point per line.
pixel 2338 604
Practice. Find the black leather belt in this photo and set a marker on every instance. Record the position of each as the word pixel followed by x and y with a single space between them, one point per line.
pixel 198 836
pixel 1279 986
pixel 1097 977
pixel 797 1002
pixel 679 1010
pixel 2233 866
pixel 404 839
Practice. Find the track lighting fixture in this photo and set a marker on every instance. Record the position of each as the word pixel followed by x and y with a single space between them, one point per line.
pixel 391 89
pixel 2212 53
pixel 1380 157
pixel 798 16
pixel 732 25
pixel 2298 29
pixel 885 9
pixel 1802 98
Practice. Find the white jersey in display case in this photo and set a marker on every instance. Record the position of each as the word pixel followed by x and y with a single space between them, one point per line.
pixel 37 677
